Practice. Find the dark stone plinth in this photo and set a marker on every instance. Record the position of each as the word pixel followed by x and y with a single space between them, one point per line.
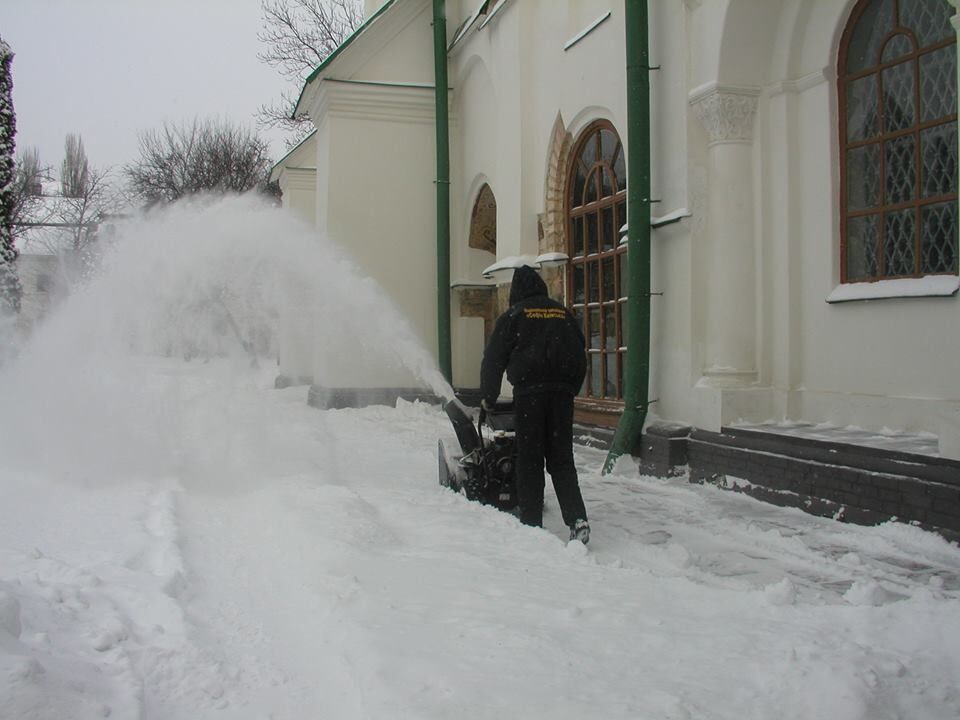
pixel 663 449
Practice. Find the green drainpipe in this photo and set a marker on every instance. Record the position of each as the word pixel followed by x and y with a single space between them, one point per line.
pixel 637 370
pixel 443 188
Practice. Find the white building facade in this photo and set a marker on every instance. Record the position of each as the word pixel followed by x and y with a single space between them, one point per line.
pixel 804 178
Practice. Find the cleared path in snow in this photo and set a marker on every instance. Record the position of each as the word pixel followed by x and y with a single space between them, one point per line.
pixel 337 579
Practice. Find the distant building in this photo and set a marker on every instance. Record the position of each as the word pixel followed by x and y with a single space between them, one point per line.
pixel 42 283
pixel 804 173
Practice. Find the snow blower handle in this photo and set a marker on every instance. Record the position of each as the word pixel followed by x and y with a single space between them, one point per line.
pixel 481 418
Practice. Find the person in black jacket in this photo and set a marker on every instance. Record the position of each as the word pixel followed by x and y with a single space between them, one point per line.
pixel 541 346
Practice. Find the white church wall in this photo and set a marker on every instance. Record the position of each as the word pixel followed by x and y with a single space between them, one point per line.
pixel 743 129
pixel 873 364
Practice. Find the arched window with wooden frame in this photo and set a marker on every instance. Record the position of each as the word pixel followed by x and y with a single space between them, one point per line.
pixel 596 209
pixel 897 79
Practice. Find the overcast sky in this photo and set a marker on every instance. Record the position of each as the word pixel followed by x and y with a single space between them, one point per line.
pixel 107 69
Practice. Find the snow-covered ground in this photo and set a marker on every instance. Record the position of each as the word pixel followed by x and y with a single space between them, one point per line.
pixel 181 541
pixel 292 563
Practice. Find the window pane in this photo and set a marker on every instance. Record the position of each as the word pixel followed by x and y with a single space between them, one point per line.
pixel 596 384
pixel 589 153
pixel 590 191
pixel 898 100
pixel 620 168
pixel 592 232
pixel 873 25
pixel 607 187
pixel 929 19
pixel 579 182
pixel 863 177
pixel 897 47
pixel 899 242
pixel 863 110
pixel 621 219
pixel 610 327
pixel 595 338
pixel 938 83
pixel 612 389
pixel 863 233
pixel 901 171
pixel 939 241
pixel 593 270
pixel 609 279
pixel 576 236
pixel 608 144
pixel 578 313
pixel 608 235
pixel 579 284
pixel 939 168
pixel 585 388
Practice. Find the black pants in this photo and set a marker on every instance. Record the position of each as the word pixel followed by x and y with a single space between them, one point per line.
pixel 544 425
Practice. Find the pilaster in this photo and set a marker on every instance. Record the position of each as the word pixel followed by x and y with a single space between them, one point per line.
pixel 727 114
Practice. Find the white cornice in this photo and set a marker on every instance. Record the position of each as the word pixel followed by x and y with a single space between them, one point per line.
pixel 714 87
pixel 347 60
pixel 800 84
pixel 395 103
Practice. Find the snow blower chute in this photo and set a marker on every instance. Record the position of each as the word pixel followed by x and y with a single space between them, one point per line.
pixel 483 468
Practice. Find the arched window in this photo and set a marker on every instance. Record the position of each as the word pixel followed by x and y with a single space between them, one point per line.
pixel 483 221
pixel 596 274
pixel 898 140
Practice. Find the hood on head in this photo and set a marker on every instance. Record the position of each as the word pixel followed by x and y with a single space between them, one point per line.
pixel 526 283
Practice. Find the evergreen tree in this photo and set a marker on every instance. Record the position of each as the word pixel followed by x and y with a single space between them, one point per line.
pixel 10 289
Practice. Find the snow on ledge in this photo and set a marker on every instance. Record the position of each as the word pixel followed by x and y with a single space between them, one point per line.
pixel 927 286
pixel 514 261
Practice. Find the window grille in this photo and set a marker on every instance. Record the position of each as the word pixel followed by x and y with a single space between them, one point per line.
pixel 596 274
pixel 897 80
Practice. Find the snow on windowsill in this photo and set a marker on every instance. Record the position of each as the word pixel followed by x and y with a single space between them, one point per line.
pixel 471 284
pixel 514 261
pixel 586 31
pixel 927 286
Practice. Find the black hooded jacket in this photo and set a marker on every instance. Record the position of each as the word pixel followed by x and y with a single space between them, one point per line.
pixel 537 341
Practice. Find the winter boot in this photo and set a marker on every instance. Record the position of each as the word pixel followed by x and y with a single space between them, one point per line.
pixel 580 530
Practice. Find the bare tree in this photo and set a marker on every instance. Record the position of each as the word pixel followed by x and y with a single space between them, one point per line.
pixel 200 156
pixel 75 171
pixel 82 212
pixel 27 191
pixel 299 35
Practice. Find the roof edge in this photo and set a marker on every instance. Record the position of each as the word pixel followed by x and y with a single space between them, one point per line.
pixel 292 150
pixel 340 48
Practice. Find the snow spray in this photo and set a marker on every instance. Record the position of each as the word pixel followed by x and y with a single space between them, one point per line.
pixel 204 281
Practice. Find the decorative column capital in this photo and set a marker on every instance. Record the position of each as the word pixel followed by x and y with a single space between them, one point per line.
pixel 726 112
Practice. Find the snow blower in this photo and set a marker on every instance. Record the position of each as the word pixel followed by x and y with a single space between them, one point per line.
pixel 484 468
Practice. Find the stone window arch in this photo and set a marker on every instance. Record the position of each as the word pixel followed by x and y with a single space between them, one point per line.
pixel 897 83
pixel 596 209
pixel 482 302
pixel 483 221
